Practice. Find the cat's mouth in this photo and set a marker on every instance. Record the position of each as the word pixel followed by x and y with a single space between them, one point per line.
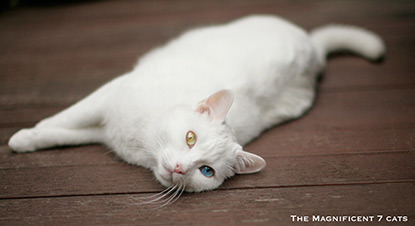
pixel 170 178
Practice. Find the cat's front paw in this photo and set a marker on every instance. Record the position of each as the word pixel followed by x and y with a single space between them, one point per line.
pixel 23 141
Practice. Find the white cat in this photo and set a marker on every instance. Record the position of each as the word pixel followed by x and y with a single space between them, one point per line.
pixel 187 108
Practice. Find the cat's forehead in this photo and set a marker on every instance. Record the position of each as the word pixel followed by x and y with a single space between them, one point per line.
pixel 185 119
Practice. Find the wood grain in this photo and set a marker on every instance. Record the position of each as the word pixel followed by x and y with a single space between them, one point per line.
pixel 93 48
pixel 56 179
pixel 268 206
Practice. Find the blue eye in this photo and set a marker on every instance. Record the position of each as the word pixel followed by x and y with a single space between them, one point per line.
pixel 207 171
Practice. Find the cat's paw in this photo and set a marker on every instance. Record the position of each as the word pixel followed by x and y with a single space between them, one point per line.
pixel 23 141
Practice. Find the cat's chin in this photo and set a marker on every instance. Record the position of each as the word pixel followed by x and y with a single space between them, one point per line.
pixel 164 177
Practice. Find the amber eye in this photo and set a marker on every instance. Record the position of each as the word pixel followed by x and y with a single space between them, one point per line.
pixel 191 139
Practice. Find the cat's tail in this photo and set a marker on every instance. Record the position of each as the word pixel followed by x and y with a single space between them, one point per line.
pixel 333 38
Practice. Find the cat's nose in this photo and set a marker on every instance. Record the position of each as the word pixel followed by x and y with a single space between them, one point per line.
pixel 179 169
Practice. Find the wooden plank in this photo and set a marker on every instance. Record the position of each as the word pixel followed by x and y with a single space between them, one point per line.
pixel 348 74
pixel 66 82
pixel 76 180
pixel 330 169
pixel 280 141
pixel 280 172
pixel 271 206
pixel 285 140
pixel 371 109
pixel 59 157
pixel 5 134
pixel 365 109
pixel 26 116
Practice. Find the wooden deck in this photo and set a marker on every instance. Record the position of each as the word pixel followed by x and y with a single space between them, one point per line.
pixel 352 154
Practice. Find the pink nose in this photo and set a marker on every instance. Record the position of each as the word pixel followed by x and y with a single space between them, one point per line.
pixel 179 169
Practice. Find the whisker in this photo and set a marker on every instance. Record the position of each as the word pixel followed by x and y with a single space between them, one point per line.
pixel 109 151
pixel 157 194
pixel 172 197
pixel 162 196
pixel 180 194
pixel 159 199
pixel 165 197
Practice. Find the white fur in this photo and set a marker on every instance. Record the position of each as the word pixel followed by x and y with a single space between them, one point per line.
pixel 257 71
pixel 335 37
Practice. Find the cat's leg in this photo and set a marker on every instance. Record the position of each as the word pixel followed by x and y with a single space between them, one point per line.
pixel 28 140
pixel 82 123
pixel 88 112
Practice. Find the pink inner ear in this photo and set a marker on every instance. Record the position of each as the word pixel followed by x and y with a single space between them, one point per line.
pixel 249 163
pixel 217 105
pixel 203 107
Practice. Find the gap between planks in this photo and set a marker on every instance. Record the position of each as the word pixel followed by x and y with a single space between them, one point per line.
pixel 219 189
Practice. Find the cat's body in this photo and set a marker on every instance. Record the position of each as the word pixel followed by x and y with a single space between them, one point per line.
pixel 168 113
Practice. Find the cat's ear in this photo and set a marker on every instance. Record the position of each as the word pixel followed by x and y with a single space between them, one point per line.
pixel 217 105
pixel 248 162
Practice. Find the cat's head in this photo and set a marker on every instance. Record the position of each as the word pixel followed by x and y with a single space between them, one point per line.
pixel 197 150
